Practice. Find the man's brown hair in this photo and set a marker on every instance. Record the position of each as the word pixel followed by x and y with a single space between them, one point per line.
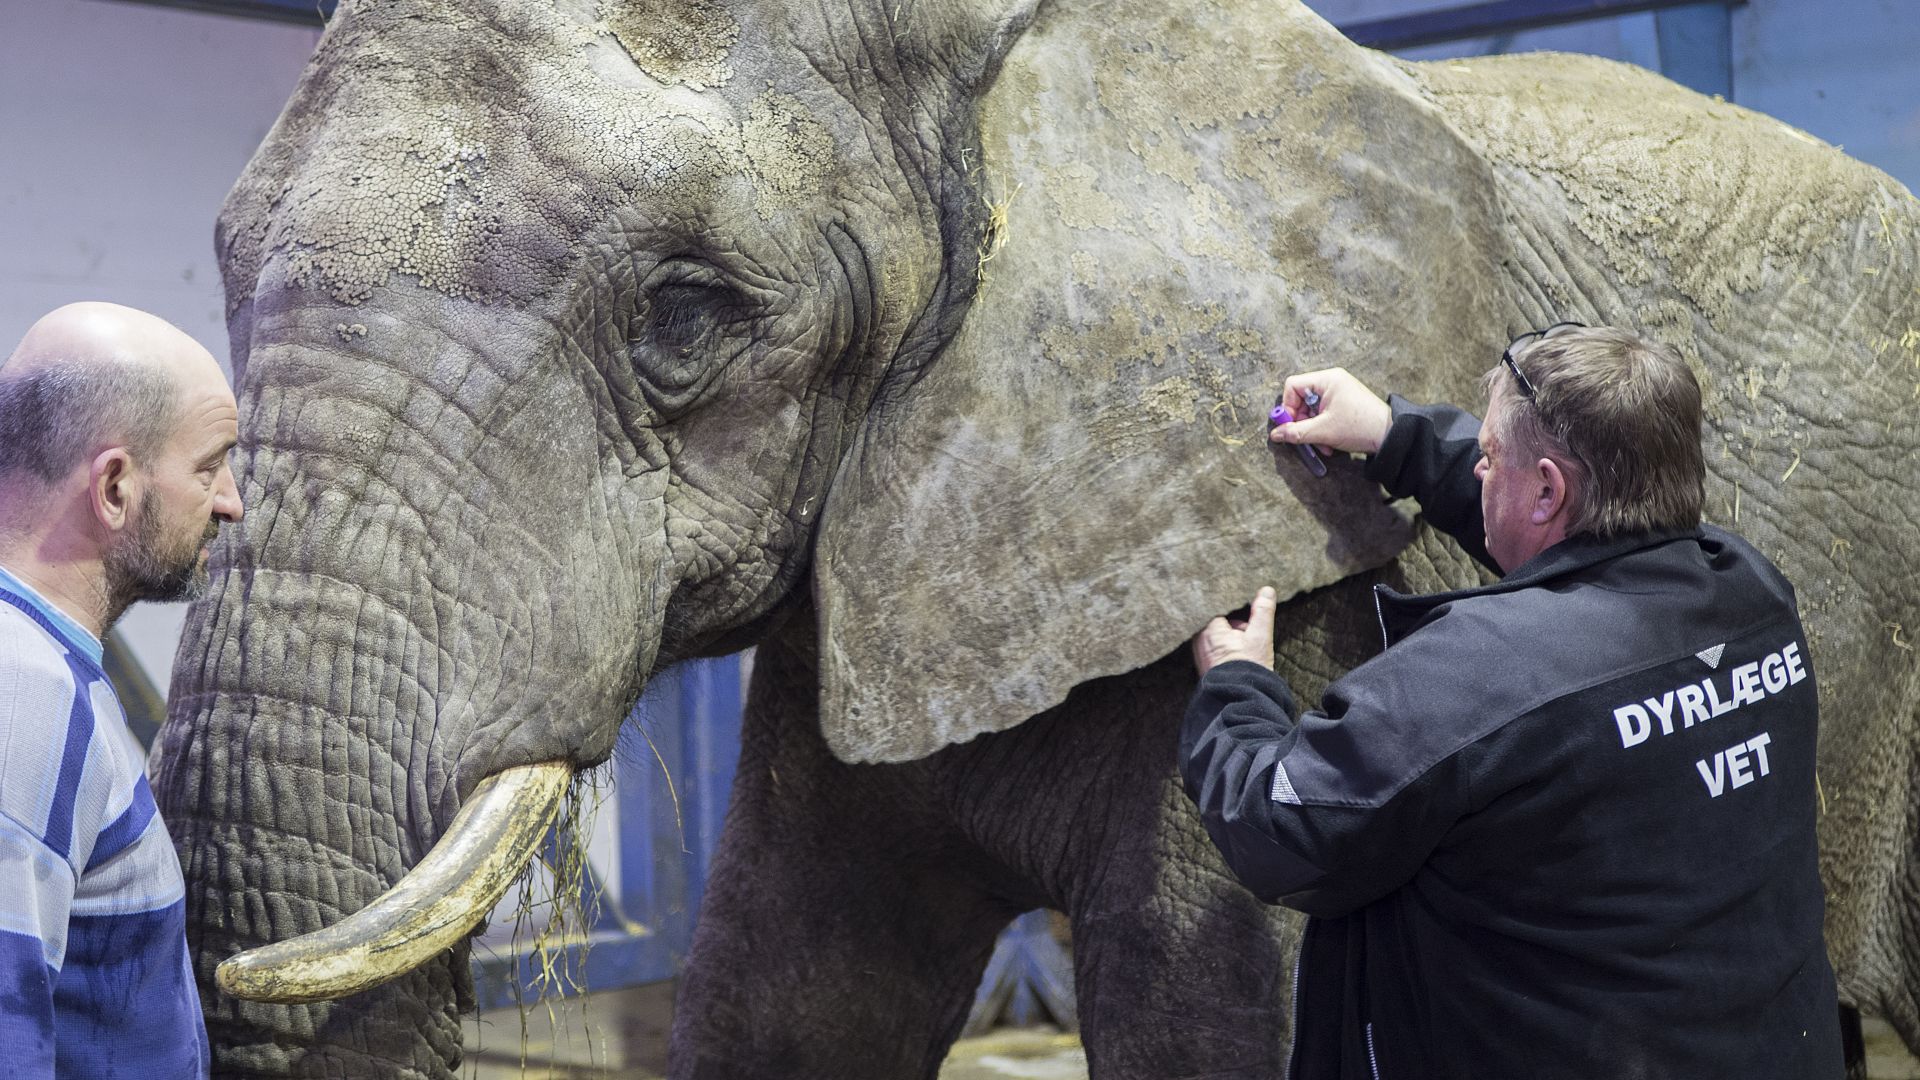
pixel 1621 414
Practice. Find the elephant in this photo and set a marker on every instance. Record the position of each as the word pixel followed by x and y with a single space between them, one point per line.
pixel 926 344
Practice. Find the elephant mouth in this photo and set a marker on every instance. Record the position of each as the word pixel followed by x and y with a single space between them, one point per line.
pixel 437 903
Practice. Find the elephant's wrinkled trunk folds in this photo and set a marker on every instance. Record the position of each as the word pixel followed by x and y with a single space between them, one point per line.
pixel 434 906
pixel 371 702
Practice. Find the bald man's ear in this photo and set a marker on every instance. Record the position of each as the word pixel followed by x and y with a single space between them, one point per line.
pixel 113 488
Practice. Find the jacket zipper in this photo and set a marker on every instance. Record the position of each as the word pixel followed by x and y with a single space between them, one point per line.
pixel 1380 613
pixel 1294 1005
pixel 1373 1060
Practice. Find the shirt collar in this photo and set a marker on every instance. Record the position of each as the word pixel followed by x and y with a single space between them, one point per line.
pixel 57 622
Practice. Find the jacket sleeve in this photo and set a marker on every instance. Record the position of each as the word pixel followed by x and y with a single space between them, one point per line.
pixel 1327 853
pixel 1429 455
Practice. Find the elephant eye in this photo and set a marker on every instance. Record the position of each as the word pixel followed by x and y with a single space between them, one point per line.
pixel 681 316
pixel 675 340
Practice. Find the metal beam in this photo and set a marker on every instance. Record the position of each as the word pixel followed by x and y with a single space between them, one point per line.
pixel 140 700
pixel 1496 17
pixel 1029 978
pixel 302 12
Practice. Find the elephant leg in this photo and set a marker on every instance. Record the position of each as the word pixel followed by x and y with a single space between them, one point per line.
pixel 1900 1004
pixel 1178 970
pixel 1869 819
pixel 838 938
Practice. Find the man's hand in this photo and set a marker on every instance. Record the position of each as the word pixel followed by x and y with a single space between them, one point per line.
pixel 1231 639
pixel 1351 417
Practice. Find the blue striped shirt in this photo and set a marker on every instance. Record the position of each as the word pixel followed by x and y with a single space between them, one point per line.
pixel 95 982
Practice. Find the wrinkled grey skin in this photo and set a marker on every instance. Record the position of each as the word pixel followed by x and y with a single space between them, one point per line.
pixel 927 344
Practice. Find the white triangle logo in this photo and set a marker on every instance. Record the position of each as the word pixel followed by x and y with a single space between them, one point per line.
pixel 1711 657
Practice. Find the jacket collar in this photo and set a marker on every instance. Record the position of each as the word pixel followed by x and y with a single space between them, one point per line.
pixel 1403 613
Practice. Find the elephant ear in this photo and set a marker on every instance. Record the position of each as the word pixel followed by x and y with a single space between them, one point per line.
pixel 1188 203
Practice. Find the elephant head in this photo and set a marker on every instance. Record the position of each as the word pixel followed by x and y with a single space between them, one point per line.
pixel 573 336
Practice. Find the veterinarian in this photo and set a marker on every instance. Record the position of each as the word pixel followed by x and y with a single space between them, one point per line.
pixel 1563 826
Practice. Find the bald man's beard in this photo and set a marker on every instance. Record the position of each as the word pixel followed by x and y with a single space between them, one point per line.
pixel 150 564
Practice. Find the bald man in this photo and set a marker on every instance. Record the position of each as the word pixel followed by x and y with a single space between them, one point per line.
pixel 114 433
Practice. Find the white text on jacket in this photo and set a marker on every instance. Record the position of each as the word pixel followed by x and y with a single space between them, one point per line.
pixel 1696 703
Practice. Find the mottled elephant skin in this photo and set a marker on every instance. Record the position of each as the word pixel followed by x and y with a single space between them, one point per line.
pixel 927 344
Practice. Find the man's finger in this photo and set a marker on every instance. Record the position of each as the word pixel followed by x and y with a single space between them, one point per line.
pixel 1315 380
pixel 1260 619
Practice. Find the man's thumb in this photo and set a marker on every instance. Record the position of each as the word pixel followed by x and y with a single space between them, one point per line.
pixel 1260 616
pixel 1299 431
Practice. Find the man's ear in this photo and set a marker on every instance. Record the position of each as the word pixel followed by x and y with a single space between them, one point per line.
pixel 1555 492
pixel 113 489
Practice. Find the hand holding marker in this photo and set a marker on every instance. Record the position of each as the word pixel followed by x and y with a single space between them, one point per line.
pixel 1335 411
pixel 1309 406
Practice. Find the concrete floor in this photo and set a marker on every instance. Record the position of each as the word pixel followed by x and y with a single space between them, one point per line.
pixel 1887 1059
pixel 622 1035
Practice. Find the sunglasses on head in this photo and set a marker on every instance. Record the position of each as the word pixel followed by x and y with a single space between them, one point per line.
pixel 1531 336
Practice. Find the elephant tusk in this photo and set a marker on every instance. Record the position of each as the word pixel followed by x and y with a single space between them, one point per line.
pixel 439 901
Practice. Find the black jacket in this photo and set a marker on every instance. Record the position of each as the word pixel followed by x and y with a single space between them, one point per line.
pixel 1563 826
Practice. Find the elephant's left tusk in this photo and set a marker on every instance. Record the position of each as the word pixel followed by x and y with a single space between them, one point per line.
pixel 439 901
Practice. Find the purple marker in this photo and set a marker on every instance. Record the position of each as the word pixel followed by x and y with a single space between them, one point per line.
pixel 1282 415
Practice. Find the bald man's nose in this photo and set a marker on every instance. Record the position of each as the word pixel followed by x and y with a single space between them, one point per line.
pixel 226 502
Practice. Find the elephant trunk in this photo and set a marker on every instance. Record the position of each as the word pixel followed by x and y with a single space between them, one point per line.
pixel 296 794
pixel 394 658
